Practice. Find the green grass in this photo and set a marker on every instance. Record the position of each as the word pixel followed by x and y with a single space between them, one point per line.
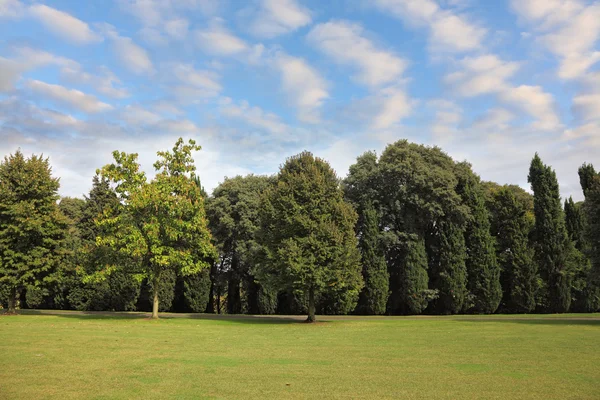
pixel 125 356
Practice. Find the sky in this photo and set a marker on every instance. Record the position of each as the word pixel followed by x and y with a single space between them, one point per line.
pixel 253 82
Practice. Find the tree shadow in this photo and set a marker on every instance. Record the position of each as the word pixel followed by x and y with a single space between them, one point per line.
pixel 123 315
pixel 537 321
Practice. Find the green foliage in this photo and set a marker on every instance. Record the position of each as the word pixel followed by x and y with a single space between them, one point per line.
pixel 550 239
pixel 511 226
pixel 233 214
pixel 32 229
pixel 483 282
pixel 448 270
pixel 196 290
pixel 575 223
pixel 307 230
pixel 590 183
pixel 159 226
pixel 374 295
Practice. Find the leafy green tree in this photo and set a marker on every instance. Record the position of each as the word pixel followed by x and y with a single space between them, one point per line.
pixel 550 236
pixel 118 291
pixel 483 272
pixel 373 298
pixel 307 230
pixel 233 212
pixel 159 226
pixel 32 230
pixel 511 226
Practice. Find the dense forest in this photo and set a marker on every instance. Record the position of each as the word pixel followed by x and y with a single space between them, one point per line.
pixel 410 231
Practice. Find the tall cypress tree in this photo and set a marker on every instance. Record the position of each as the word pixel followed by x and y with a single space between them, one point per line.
pixel 449 272
pixel 590 183
pixel 483 272
pixel 374 295
pixel 550 237
pixel 511 227
pixel 574 222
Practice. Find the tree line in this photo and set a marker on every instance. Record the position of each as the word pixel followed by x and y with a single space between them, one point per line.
pixel 410 231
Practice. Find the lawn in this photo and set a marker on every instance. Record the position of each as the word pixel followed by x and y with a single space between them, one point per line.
pixel 67 355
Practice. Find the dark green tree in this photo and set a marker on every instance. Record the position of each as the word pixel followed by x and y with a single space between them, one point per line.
pixel 448 268
pixel 373 298
pixel 511 226
pixel 233 213
pixel 32 229
pixel 550 239
pixel 590 183
pixel 483 272
pixel 307 230
pixel 575 223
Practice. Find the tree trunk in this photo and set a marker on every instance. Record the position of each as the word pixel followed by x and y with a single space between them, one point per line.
pixel 155 302
pixel 12 301
pixel 311 306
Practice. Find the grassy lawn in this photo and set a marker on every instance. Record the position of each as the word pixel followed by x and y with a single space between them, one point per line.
pixel 126 356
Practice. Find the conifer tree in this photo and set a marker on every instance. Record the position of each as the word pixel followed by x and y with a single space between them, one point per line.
pixel 511 227
pixel 32 230
pixel 373 298
pixel 550 237
pixel 483 272
pixel 449 271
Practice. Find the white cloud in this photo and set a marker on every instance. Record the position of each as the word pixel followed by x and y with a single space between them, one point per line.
pixel 135 115
pixel 587 106
pixel 177 28
pixel 253 116
pixel 132 56
pixel 201 79
pixel 25 59
pixel 64 25
pixel 70 97
pixel 481 75
pixel 104 83
pixel 567 28
pixel 11 9
pixel 10 72
pixel 392 106
pixel 448 31
pixel 277 17
pixel 218 40
pixel 534 101
pixel 304 86
pixel 493 119
pixel 346 43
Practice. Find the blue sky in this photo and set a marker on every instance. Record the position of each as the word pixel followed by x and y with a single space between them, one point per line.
pixel 253 82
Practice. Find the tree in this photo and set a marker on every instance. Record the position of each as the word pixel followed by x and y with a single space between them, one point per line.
pixel 483 272
pixel 373 298
pixel 32 230
pixel 511 225
pixel 307 230
pixel 160 226
pixel 550 236
pixel 574 223
pixel 233 214
pixel 448 268
pixel 590 183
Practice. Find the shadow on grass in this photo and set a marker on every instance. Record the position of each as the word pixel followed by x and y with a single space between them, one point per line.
pixel 109 315
pixel 537 321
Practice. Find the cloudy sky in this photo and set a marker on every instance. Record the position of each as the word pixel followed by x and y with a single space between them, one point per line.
pixel 490 81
